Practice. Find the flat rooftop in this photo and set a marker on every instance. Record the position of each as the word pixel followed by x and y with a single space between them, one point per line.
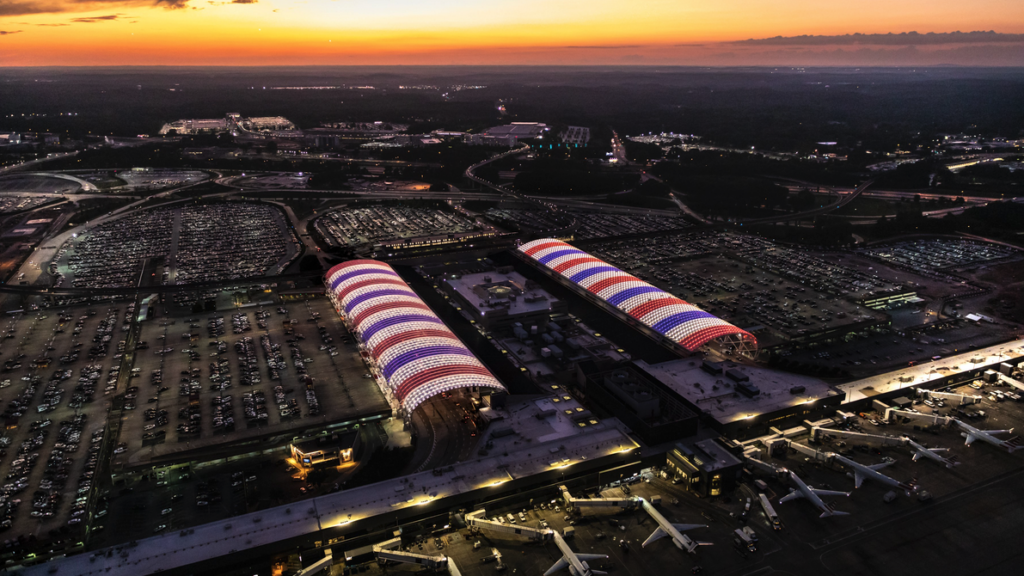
pixel 716 394
pixel 921 374
pixel 542 420
pixel 173 550
pixel 493 290
pixel 720 457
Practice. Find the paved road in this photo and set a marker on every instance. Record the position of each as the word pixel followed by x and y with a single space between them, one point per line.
pixel 15 167
pixel 846 199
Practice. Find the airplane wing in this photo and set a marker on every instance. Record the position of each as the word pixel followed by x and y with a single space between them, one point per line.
pixel 820 492
pixel 858 479
pixel 970 438
pixel 587 557
pixel 656 535
pixel 685 527
pixel 560 565
pixel 833 513
pixel 879 466
pixel 791 496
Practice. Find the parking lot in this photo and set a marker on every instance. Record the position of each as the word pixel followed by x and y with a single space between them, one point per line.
pixel 224 377
pixel 934 255
pixel 17 203
pixel 350 226
pixel 735 278
pixel 58 366
pixel 196 243
pixel 151 179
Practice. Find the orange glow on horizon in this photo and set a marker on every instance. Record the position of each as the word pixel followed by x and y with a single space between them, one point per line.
pixel 319 32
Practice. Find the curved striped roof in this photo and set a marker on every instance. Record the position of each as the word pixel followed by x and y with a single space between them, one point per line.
pixel 660 311
pixel 410 346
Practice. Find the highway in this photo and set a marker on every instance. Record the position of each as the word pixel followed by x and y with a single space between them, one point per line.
pixel 846 199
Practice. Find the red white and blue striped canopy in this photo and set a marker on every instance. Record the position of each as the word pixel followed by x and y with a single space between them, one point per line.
pixel 411 347
pixel 660 311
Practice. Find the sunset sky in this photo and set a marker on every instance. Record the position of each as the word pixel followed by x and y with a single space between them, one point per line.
pixel 686 32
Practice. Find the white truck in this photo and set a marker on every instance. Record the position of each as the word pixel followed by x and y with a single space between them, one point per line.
pixel 746 539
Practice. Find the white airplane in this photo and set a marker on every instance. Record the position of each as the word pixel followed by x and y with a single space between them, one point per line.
pixel 812 494
pixel 930 453
pixel 971 434
pixel 862 472
pixel 666 528
pixel 576 563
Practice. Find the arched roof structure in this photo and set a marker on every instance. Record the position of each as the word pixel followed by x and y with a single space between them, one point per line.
pixel 417 355
pixel 677 320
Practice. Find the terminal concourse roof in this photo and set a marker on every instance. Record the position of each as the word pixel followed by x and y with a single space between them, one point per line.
pixel 660 311
pixel 411 348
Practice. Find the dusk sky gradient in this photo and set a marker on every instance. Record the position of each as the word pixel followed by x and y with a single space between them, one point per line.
pixel 571 32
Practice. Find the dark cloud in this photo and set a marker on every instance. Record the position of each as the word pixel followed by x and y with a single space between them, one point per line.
pixel 963 55
pixel 6 32
pixel 890 39
pixel 23 7
pixel 53 25
pixel 16 8
pixel 95 19
pixel 630 46
pixel 243 1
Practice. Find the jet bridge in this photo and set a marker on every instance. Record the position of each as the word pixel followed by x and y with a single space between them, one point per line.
pixel 1012 382
pixel 392 550
pixel 960 398
pixel 627 503
pixel 477 520
pixel 931 419
pixel 817 432
pixel 808 451
pixel 320 566
pixel 772 469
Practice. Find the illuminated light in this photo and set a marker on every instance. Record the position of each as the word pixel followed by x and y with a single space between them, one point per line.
pixel 683 323
pixel 412 351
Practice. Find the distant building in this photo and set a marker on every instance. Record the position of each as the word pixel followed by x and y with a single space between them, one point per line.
pixel 707 467
pixel 196 126
pixel 267 124
pixel 230 121
pixel 508 135
pixel 9 138
pixel 518 130
pixel 577 135
pixel 324 451
pixel 485 140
